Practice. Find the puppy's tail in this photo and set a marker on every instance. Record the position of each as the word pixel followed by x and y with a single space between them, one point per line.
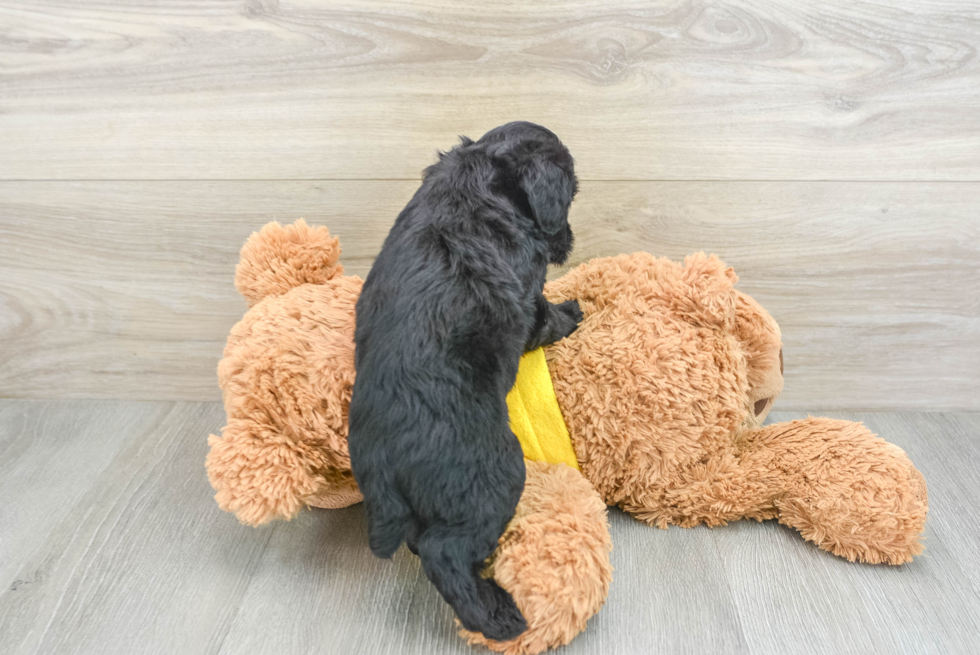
pixel 279 257
pixel 480 603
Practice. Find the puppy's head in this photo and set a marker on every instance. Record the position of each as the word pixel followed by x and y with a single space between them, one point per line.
pixel 539 176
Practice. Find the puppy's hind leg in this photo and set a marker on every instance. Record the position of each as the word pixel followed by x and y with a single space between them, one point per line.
pixel 552 322
pixel 451 564
pixel 389 521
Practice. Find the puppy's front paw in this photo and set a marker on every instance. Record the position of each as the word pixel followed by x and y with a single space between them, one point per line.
pixel 570 315
pixel 572 309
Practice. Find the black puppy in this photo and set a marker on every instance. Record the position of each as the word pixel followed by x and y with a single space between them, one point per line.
pixel 452 302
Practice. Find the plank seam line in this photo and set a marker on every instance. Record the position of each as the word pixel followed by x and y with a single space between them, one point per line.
pixel 418 179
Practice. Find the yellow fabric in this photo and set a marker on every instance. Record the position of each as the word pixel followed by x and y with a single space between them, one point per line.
pixel 535 416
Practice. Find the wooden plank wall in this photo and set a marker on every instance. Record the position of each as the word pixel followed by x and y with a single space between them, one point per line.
pixel 829 151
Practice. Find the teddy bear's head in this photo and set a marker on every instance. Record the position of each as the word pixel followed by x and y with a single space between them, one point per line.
pixel 759 336
pixel 286 378
pixel 670 364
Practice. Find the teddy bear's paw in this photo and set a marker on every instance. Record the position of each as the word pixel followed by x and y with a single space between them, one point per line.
pixel 553 559
pixel 850 492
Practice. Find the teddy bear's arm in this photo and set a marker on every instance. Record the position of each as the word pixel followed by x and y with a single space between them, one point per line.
pixel 260 474
pixel 845 489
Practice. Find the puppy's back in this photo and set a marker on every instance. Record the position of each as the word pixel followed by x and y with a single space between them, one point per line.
pixel 442 322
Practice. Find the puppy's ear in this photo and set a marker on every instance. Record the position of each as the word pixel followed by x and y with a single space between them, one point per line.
pixel 549 192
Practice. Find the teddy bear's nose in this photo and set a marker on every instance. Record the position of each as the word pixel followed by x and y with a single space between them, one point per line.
pixel 780 361
pixel 760 405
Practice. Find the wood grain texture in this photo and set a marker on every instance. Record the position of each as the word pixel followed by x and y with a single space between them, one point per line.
pixel 874 285
pixel 668 89
pixel 49 458
pixel 801 601
pixel 319 587
pixel 125 289
pixel 134 562
pixel 140 560
pixel 664 578
pixel 941 442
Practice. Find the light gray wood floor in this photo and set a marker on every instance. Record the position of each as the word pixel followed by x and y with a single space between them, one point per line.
pixel 110 542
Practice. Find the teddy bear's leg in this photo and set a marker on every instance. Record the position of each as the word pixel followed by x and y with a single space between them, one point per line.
pixel 340 490
pixel 260 473
pixel 553 558
pixel 845 489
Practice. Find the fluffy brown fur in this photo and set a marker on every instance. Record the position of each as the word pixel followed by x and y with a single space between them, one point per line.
pixel 553 558
pixel 286 379
pixel 664 389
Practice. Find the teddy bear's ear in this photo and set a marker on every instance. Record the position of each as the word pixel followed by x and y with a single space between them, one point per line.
pixel 706 291
pixel 280 257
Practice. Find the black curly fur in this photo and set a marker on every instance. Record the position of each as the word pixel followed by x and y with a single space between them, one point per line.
pixel 451 303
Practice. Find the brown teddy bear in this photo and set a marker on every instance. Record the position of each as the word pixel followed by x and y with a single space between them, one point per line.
pixel 663 389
